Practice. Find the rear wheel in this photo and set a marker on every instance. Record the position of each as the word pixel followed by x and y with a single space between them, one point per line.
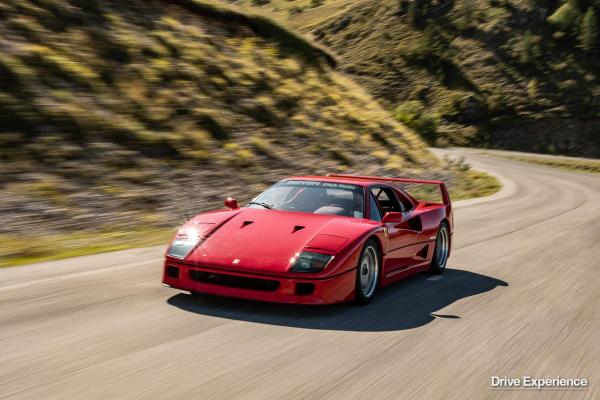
pixel 367 273
pixel 442 250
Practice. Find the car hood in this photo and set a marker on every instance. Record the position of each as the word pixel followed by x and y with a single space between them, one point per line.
pixel 265 240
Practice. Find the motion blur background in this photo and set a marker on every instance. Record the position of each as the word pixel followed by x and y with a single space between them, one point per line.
pixel 120 119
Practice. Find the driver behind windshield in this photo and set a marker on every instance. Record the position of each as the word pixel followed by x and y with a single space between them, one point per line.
pixel 313 197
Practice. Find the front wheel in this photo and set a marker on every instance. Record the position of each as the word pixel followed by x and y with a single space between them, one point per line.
pixel 442 250
pixel 367 273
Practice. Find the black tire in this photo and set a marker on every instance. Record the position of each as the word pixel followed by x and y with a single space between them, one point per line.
pixel 366 284
pixel 441 250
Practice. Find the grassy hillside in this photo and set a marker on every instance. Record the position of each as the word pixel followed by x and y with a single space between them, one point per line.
pixel 515 74
pixel 118 120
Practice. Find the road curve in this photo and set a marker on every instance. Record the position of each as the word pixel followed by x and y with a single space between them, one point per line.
pixel 521 297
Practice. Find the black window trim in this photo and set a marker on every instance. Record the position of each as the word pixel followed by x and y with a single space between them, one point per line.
pixel 365 191
pixel 391 188
pixel 373 199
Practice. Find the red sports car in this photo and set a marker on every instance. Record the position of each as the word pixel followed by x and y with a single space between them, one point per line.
pixel 313 240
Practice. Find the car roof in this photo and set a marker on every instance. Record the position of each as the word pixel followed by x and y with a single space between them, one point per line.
pixel 344 180
pixel 357 180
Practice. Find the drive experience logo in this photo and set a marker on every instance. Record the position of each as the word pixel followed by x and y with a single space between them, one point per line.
pixel 529 382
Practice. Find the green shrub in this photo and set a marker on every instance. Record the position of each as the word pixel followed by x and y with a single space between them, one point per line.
pixel 528 49
pixel 417 10
pixel 431 50
pixel 533 89
pixel 467 14
pixel 588 36
pixel 341 156
pixel 426 126
pixel 566 17
pixel 214 125
pixel 409 111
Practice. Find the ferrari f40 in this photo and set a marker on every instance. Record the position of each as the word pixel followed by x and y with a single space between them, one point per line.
pixel 313 240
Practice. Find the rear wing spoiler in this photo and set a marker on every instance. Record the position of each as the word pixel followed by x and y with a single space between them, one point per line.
pixel 441 185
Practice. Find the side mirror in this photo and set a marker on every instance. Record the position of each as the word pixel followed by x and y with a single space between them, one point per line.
pixel 393 216
pixel 231 203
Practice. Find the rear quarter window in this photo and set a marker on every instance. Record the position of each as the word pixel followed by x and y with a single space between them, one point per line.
pixel 375 213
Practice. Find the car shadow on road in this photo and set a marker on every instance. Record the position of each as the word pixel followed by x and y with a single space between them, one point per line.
pixel 404 305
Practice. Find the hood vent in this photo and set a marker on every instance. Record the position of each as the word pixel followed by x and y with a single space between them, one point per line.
pixel 297 228
pixel 246 223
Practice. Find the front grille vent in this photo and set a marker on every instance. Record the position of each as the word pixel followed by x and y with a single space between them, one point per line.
pixel 266 285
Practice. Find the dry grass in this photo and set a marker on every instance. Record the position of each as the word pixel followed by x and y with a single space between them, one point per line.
pixel 119 120
pixel 27 250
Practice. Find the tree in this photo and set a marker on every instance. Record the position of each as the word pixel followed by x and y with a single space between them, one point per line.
pixel 588 34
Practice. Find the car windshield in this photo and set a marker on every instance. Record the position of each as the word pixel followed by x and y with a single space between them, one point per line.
pixel 313 197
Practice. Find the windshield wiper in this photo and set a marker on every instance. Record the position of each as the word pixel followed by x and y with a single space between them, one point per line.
pixel 265 205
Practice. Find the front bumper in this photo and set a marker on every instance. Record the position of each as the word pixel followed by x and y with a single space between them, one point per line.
pixel 337 289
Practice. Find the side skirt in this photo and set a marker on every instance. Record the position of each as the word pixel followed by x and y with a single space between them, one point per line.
pixel 398 275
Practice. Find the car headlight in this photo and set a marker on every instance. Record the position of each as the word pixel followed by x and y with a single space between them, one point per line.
pixel 186 239
pixel 310 262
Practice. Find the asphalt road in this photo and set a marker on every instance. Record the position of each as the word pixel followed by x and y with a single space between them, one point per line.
pixel 521 297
